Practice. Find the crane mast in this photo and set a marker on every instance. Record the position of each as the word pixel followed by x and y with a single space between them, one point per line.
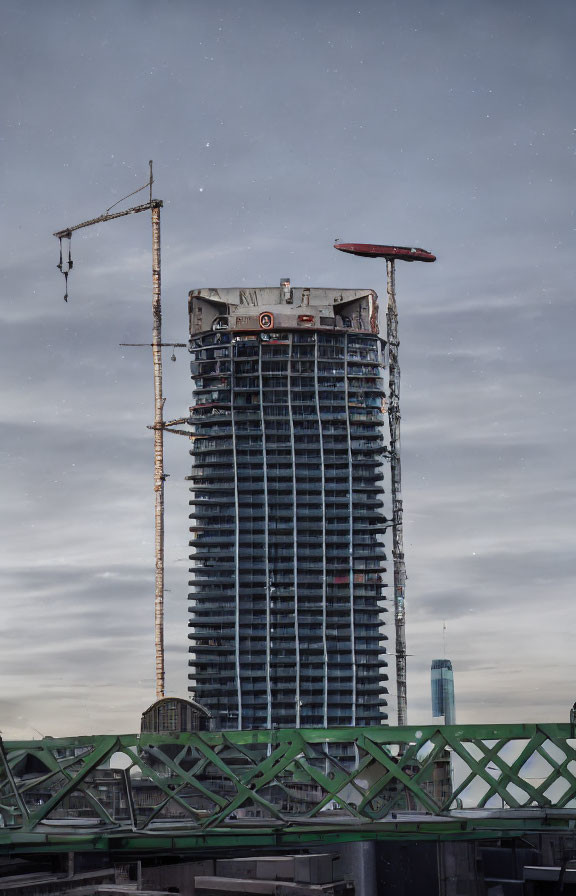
pixel 391 254
pixel 396 491
pixel 160 425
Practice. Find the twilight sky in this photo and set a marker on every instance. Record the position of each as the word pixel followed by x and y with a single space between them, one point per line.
pixel 274 129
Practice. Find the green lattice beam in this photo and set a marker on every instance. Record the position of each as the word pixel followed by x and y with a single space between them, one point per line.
pixel 209 782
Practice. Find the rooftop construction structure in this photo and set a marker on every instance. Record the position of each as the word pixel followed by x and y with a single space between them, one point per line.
pixel 287 504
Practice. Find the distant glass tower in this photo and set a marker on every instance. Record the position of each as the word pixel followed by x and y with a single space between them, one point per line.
pixel 443 691
pixel 287 506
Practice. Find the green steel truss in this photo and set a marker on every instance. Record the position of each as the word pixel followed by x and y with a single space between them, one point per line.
pixel 284 787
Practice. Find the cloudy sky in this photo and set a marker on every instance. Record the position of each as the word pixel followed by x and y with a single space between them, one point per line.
pixel 274 129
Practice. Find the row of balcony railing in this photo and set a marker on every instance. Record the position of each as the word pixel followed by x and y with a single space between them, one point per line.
pixel 280 465
pixel 327 401
pixel 257 600
pixel 284 368
pixel 283 353
pixel 204 608
pixel 304 415
pixel 364 385
pixel 307 489
pixel 362 546
pixel 240 339
pixel 337 563
pixel 299 502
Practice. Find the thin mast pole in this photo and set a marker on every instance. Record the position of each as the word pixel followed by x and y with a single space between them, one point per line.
pixel 159 475
pixel 396 482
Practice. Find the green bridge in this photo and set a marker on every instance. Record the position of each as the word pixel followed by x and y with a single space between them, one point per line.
pixel 215 790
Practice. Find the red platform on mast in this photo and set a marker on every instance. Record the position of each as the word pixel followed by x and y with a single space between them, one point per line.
pixel 369 250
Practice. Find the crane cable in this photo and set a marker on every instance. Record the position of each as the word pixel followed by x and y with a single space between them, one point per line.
pixel 68 234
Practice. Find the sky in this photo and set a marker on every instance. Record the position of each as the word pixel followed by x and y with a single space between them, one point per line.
pixel 275 129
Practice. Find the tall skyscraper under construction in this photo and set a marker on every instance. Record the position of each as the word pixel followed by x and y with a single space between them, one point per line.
pixel 287 504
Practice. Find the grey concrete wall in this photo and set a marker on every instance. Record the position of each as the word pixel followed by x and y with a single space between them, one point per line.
pixel 180 875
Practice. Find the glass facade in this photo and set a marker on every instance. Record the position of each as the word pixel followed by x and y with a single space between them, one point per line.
pixel 443 691
pixel 287 521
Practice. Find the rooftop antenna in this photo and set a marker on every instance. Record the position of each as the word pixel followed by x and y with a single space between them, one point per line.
pixel 390 254
pixel 444 638
pixel 160 425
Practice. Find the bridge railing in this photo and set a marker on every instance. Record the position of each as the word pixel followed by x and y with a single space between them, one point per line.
pixel 209 779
